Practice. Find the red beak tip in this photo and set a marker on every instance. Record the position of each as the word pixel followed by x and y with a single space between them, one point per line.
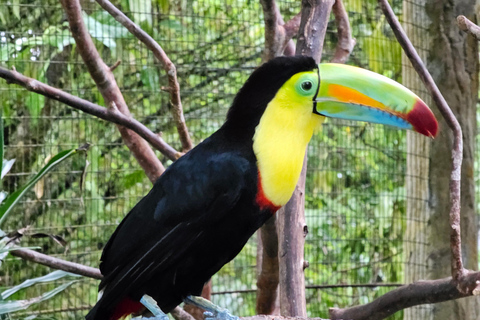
pixel 422 119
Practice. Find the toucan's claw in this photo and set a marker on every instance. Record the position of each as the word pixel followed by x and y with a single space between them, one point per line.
pixel 213 312
pixel 152 306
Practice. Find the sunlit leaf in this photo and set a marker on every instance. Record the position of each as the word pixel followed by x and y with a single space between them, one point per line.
pixel 3 195
pixel 17 305
pixel 52 276
pixel 6 166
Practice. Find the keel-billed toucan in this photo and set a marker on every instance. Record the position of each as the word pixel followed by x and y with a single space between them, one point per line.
pixel 204 208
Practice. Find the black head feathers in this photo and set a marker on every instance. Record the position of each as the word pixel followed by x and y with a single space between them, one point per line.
pixel 260 88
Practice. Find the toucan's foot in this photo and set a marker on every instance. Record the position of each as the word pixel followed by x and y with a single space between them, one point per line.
pixel 152 306
pixel 213 312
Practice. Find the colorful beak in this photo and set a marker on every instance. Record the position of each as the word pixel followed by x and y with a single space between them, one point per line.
pixel 353 93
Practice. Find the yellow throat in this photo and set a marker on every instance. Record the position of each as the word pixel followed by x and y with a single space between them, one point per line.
pixel 281 139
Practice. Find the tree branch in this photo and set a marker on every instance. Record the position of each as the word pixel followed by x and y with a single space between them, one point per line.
pixel 417 293
pixel 315 15
pixel 466 25
pixel 168 66
pixel 55 263
pixel 89 272
pixel 457 150
pixel 111 115
pixel 106 84
pixel 268 277
pixel 278 34
pixel 420 292
pixel 345 42
pixel 292 228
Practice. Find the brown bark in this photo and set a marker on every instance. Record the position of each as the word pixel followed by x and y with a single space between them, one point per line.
pixel 173 85
pixel 291 218
pixel 268 272
pixel 416 293
pixel 406 296
pixel 277 41
pixel 315 15
pixel 345 42
pixel 106 84
pixel 278 34
pixel 110 115
pixel 292 230
pixel 453 59
pixel 415 241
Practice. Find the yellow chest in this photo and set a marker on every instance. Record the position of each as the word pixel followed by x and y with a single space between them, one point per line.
pixel 280 142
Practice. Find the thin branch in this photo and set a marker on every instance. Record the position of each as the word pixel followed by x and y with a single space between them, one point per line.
pixel 107 86
pixel 345 42
pixel 278 34
pixel 89 272
pixel 168 66
pixel 420 292
pixel 111 115
pixel 55 263
pixel 417 293
pixel 468 26
pixel 457 150
pixel 291 29
pixel 180 314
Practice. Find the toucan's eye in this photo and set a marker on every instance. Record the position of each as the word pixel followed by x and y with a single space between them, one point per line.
pixel 307 85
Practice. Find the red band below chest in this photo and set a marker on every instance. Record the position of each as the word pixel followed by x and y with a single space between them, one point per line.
pixel 261 199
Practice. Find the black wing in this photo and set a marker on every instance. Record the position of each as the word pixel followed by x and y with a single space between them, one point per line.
pixel 194 192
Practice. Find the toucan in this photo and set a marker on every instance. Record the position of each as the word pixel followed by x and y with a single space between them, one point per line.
pixel 206 205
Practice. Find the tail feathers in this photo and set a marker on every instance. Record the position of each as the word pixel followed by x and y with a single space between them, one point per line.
pixel 126 307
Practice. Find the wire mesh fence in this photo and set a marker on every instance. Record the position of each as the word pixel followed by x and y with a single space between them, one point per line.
pixel 355 198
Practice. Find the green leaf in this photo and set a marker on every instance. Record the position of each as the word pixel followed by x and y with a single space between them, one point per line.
pixel 103 32
pixel 17 305
pixel 172 24
pixel 141 10
pixel 52 276
pixel 35 104
pixel 16 8
pixel 13 198
pixel 164 5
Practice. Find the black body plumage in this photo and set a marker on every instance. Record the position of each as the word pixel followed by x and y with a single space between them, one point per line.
pixel 201 211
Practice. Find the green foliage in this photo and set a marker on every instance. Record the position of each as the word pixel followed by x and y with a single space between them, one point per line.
pixel 15 197
pixel 355 187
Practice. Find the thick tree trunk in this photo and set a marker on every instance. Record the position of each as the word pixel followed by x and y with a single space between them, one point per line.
pixel 452 59
pixel 415 246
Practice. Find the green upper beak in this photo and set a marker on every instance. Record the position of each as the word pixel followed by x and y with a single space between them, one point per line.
pixel 353 93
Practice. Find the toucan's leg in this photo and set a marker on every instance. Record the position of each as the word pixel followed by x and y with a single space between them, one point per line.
pixel 152 306
pixel 213 311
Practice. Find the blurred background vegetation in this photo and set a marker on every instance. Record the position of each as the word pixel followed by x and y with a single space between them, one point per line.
pixel 355 195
